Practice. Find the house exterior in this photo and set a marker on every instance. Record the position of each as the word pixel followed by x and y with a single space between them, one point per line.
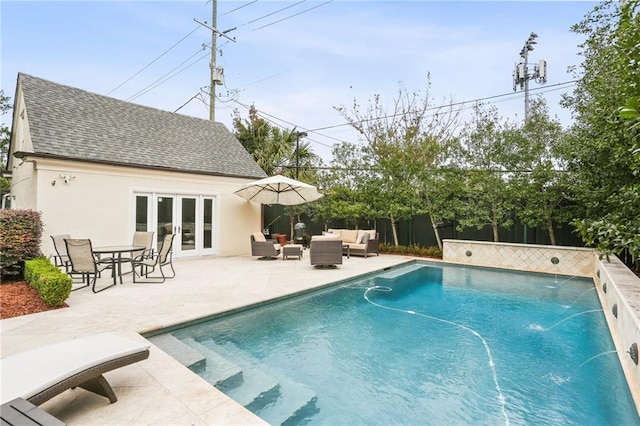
pixel 101 168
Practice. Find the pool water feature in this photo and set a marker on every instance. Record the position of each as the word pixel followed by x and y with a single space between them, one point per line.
pixel 422 344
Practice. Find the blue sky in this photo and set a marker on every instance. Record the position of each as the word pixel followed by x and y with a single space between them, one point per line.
pixel 295 64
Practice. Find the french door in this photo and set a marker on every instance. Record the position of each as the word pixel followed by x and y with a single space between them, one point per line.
pixel 189 217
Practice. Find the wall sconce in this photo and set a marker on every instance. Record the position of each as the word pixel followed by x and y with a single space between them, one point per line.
pixel 67 178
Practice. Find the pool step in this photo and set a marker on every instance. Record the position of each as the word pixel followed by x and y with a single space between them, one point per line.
pixel 217 370
pixel 183 353
pixel 296 402
pixel 291 400
pixel 397 272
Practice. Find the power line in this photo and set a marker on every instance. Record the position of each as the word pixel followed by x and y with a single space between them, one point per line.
pixel 455 104
pixel 295 14
pixel 154 61
pixel 470 104
pixel 239 7
pixel 163 80
pixel 273 13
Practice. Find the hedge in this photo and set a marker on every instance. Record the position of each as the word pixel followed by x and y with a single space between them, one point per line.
pixel 53 286
pixel 20 236
pixel 411 250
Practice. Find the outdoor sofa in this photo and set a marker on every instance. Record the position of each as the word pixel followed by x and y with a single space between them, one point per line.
pixel 359 241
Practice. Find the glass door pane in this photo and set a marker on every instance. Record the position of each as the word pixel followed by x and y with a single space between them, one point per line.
pixel 188 224
pixel 142 213
pixel 165 218
pixel 207 225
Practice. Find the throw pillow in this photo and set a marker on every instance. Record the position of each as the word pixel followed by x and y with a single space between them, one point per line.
pixel 360 237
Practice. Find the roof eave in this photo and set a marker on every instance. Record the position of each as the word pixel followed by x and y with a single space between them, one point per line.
pixel 25 155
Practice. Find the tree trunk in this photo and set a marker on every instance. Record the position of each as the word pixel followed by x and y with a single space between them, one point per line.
pixel 436 232
pixel 552 234
pixel 494 226
pixel 394 230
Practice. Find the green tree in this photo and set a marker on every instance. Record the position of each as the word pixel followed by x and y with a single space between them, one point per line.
pixel 278 150
pixel 541 187
pixel 5 138
pixel 400 143
pixel 488 154
pixel 342 185
pixel 275 150
pixel 603 154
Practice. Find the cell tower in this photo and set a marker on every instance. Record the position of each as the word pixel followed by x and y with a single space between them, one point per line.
pixel 522 74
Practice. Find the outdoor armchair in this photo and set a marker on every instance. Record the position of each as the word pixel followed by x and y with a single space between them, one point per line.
pixel 325 251
pixel 84 262
pixel 150 264
pixel 266 249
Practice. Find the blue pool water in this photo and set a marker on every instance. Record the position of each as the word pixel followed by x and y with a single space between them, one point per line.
pixel 423 344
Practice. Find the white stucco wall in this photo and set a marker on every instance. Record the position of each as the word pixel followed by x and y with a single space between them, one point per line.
pixel 98 202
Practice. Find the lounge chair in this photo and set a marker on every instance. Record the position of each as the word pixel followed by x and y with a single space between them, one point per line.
pixel 21 412
pixel 39 374
pixel 84 262
pixel 325 251
pixel 266 249
pixel 149 264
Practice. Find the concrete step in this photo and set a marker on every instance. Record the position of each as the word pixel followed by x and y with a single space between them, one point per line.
pixel 296 403
pixel 218 370
pixel 185 354
pixel 289 400
pixel 394 273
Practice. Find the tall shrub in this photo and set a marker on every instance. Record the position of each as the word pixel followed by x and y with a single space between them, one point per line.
pixel 20 236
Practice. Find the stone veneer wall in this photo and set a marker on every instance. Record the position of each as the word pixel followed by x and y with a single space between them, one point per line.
pixel 573 261
pixel 619 292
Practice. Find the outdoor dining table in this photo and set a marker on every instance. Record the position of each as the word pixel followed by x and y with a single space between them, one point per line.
pixel 116 257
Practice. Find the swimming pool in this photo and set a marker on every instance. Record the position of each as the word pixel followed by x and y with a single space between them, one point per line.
pixel 422 344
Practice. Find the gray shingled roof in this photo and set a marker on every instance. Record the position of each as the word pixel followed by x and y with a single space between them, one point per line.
pixel 70 123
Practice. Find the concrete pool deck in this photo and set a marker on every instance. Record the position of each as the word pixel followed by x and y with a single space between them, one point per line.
pixel 160 390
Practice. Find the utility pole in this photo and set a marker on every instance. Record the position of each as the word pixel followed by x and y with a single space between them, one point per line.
pixel 521 75
pixel 298 136
pixel 217 73
pixel 215 79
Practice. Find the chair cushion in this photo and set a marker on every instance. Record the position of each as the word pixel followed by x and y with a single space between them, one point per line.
pixel 363 237
pixel 26 373
pixel 324 237
pixel 258 236
pixel 349 235
pixel 336 232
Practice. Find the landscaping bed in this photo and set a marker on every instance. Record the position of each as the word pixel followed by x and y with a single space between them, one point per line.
pixel 19 298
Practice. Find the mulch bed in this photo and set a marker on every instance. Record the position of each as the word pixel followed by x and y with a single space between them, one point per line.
pixel 19 298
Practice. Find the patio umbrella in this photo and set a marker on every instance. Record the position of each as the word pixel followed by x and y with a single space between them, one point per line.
pixel 278 189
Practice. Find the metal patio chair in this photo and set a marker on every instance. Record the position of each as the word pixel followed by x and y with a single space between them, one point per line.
pixel 143 239
pixel 156 262
pixel 84 262
pixel 61 258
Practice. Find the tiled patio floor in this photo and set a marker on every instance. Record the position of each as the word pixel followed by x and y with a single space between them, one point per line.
pixel 160 390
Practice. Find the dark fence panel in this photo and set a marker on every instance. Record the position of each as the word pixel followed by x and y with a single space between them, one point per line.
pixel 419 230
